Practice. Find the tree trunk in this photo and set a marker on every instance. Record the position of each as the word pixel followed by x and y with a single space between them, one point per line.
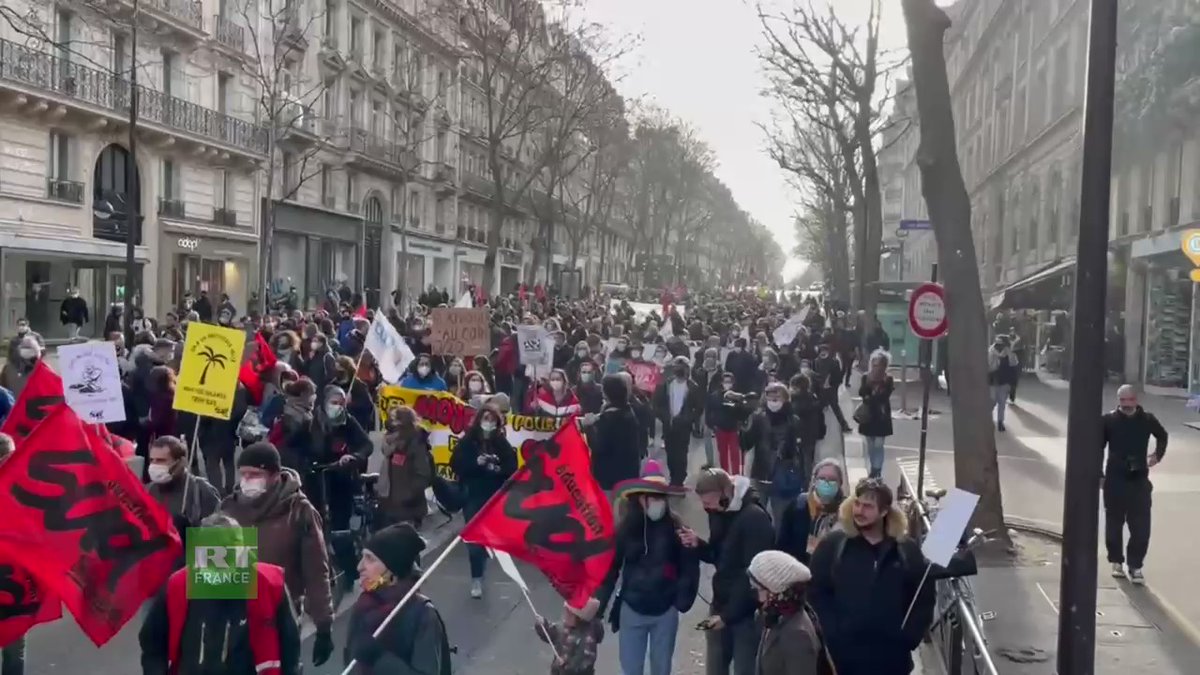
pixel 874 227
pixel 975 466
pixel 267 237
pixel 496 222
pixel 536 248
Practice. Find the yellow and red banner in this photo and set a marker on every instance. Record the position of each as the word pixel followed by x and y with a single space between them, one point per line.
pixel 447 417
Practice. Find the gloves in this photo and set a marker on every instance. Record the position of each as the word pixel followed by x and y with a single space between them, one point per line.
pixel 322 646
pixel 368 651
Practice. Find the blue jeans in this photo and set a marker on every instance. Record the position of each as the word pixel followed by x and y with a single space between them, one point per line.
pixel 875 454
pixel 1000 401
pixel 708 446
pixel 641 634
pixel 476 555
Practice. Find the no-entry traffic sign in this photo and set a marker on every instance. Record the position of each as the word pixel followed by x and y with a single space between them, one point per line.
pixel 927 311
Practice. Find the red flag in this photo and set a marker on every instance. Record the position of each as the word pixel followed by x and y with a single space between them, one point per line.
pixel 361 312
pixel 82 523
pixel 554 515
pixel 259 361
pixel 43 393
pixel 24 603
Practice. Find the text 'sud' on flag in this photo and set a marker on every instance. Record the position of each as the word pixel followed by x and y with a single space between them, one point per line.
pixel 553 515
pixel 83 525
pixel 208 375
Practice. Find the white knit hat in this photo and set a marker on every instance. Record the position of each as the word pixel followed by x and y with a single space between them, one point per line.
pixel 777 571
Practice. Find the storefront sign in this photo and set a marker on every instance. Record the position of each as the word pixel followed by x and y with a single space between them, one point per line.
pixel 460 332
pixel 1191 248
pixel 189 243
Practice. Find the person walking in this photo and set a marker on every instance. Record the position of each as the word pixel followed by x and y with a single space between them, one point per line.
pixel 678 402
pixel 814 514
pixel 874 414
pixel 1002 376
pixel 789 643
pixel 1126 482
pixel 171 479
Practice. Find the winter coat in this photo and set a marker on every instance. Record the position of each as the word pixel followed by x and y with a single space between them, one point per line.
pixel 827 377
pixel 692 409
pixel 591 398
pixel 321 368
pixel 289 535
pixel 790 647
pixel 744 367
pixel 479 483
pixel 1002 367
pixel 202 498
pixel 15 375
pixel 73 310
pixel 433 382
pixel 619 446
pixel 737 534
pixel 406 472
pixel 721 415
pixel 861 593
pixel 546 405
pixel 772 436
pixel 414 642
pixel 337 440
pixel 877 397
pixel 802 525
pixel 1128 439
pixel 811 416
pixel 657 573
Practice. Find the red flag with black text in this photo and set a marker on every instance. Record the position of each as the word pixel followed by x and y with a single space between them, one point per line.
pixel 83 524
pixel 42 395
pixel 553 515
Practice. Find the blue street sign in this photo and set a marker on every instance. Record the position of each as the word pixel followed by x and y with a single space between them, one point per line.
pixel 916 225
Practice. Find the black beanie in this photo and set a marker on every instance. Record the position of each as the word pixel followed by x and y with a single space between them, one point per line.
pixel 260 455
pixel 398 547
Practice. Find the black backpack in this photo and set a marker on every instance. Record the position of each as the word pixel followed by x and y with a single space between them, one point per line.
pixel 406 628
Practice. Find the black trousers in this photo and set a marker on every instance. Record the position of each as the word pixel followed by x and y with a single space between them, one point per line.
pixel 677 438
pixel 1127 502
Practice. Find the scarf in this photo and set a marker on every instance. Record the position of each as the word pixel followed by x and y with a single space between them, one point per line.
pixel 779 608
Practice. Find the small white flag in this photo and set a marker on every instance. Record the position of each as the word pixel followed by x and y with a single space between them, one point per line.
pixel 465 301
pixel 391 352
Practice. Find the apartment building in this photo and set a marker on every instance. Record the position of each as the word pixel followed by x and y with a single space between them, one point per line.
pixel 907 254
pixel 66 187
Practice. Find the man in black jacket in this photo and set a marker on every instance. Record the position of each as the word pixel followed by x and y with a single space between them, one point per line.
pixel 1126 482
pixel 739 529
pixel 678 403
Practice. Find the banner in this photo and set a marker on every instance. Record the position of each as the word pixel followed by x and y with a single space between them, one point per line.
pixel 92 381
pixel 24 603
pixel 642 310
pixel 446 417
pixel 208 376
pixel 645 376
pixel 460 332
pixel 553 515
pixel 84 525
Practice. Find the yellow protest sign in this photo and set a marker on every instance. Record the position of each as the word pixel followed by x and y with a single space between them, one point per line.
pixel 208 376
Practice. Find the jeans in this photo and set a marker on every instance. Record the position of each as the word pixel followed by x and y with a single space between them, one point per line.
pixel 874 448
pixel 710 457
pixel 13 656
pixel 1000 401
pixel 1127 502
pixel 73 331
pixel 641 635
pixel 729 450
pixel 735 646
pixel 476 555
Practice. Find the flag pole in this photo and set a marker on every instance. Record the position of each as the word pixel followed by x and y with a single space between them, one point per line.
pixel 407 596
pixel 190 455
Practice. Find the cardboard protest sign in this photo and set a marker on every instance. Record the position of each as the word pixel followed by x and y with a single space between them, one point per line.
pixel 537 348
pixel 208 376
pixel 460 332
pixel 645 376
pixel 92 381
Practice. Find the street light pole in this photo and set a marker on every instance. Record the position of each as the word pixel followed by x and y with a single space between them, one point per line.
pixel 1077 596
pixel 133 186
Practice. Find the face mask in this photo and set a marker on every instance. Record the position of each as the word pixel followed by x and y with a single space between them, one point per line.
pixel 487 427
pixel 455 370
pixel 776 406
pixel 334 411
pixel 585 377
pixel 423 371
pixel 252 488
pixel 556 385
pixel 826 489
pixel 710 364
pixel 637 353
pixel 314 345
pixel 727 386
pixel 27 353
pixel 475 386
pixel 21 330
pixel 655 510
pixel 159 474
pixel 581 353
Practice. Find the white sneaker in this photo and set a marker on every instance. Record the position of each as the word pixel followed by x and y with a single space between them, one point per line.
pixel 1135 577
pixel 476 589
pixel 1118 571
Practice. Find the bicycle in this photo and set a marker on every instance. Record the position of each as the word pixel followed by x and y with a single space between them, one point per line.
pixel 340 545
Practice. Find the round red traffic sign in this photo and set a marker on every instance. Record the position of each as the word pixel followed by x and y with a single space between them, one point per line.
pixel 927 311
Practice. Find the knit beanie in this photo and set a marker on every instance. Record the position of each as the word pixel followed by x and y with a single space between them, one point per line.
pixel 777 571
pixel 260 455
pixel 398 547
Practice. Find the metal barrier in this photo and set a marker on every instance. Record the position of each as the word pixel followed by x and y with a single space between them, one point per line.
pixel 956 631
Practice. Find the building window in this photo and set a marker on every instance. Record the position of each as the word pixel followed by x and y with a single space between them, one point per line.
pixel 356 38
pixel 120 54
pixel 62 32
pixel 223 88
pixel 326 184
pixel 349 188
pixel 287 182
pixel 60 156
pixel 414 208
pixel 377 51
pixel 168 72
pixel 170 178
pixel 330 97
pixel 221 189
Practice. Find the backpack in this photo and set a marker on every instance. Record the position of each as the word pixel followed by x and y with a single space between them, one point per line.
pixel 406 630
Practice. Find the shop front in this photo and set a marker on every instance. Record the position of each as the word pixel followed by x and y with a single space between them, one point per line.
pixel 199 260
pixel 1170 354
pixel 421 262
pixel 39 272
pixel 510 270
pixel 314 251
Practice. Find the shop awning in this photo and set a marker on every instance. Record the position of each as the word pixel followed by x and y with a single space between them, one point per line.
pixel 1005 296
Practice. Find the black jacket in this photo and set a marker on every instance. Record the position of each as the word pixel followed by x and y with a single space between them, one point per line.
pixel 772 436
pixel 1128 438
pixel 827 376
pixel 218 627
pixel 861 594
pixel 479 483
pixel 73 310
pixel 795 526
pixel 657 572
pixel 591 397
pixel 693 405
pixel 736 535
pixel 811 416
pixel 619 447
pixel 744 367
pixel 721 415
pixel 878 401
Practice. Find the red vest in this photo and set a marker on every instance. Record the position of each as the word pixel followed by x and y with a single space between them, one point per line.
pixel 260 618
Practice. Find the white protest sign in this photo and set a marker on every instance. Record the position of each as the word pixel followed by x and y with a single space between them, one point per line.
pixel 788 330
pixel 92 381
pixel 391 352
pixel 537 349
pixel 954 513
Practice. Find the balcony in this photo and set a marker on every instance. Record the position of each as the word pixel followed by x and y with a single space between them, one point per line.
pixel 379 155
pixel 180 18
pixel 291 30
pixel 229 34
pixel 414 222
pixel 225 217
pixel 299 124
pixel 171 208
pixel 477 186
pixel 68 191
pixel 34 73
pixel 330 57
pixel 444 175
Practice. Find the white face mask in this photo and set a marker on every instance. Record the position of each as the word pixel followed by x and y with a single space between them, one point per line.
pixel 314 345
pixel 637 353
pixel 585 377
pixel 581 353
pixel 727 386
pixel 656 509
pixel 455 370
pixel 159 474
pixel 774 406
pixel 252 488
pixel 556 385
pixel 423 371
pixel 475 386
pixel 487 427
pixel 27 353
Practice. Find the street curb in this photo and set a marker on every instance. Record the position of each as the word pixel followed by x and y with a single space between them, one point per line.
pixel 1054 531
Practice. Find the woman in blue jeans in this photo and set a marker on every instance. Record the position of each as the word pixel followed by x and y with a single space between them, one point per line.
pixel 875 421
pixel 658 575
pixel 482 460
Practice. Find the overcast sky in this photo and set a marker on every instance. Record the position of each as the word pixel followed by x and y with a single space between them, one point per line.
pixel 697 59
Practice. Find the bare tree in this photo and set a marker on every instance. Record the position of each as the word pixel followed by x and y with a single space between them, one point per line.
pixel 832 74
pixel 592 193
pixel 976 468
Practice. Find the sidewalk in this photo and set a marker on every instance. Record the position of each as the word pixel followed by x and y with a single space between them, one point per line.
pixel 1131 634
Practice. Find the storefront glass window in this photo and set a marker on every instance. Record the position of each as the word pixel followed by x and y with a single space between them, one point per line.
pixel 1168 328
pixel 35 287
pixel 288 259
